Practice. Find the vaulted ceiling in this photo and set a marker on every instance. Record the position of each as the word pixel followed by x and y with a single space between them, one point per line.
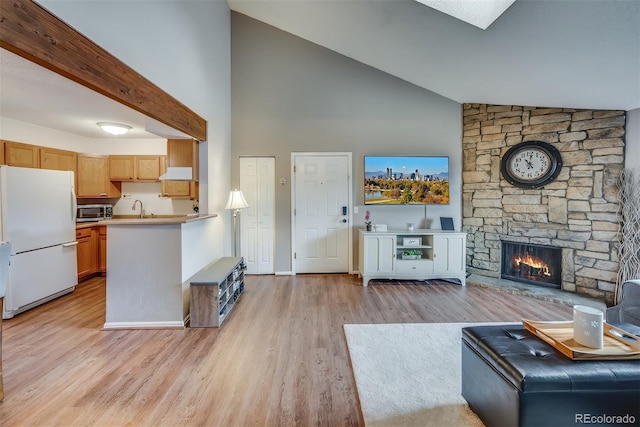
pixel 555 53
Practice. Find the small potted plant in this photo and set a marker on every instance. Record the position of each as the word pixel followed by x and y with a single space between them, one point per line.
pixel 367 220
pixel 412 254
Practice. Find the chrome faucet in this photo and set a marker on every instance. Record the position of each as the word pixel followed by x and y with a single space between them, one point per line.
pixel 133 208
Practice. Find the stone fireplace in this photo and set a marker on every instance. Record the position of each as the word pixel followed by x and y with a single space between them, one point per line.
pixel 529 263
pixel 577 212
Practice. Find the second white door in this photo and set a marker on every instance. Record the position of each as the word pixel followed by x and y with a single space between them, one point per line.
pixel 257 182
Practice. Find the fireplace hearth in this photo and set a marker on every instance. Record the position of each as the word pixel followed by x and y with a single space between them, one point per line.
pixel 535 264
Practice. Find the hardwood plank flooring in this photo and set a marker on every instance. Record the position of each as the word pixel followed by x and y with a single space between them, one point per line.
pixel 280 359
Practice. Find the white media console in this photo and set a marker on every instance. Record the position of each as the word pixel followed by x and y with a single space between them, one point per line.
pixel 412 255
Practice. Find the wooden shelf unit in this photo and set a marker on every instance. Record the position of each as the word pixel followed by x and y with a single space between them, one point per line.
pixel 215 290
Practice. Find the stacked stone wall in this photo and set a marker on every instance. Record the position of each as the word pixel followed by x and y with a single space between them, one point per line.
pixel 577 212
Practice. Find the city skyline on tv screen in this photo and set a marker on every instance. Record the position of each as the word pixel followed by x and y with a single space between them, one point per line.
pixel 400 180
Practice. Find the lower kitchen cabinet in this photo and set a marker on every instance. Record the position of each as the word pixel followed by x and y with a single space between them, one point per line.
pixel 86 253
pixel 102 249
pixel 92 251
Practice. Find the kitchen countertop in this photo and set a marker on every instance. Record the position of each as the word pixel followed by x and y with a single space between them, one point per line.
pixel 155 220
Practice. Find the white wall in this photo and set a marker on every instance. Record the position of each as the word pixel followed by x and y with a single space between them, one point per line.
pixel 184 48
pixel 632 146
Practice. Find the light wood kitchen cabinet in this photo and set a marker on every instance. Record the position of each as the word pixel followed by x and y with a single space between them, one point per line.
pixel 86 252
pixel 93 177
pixel 134 168
pixel 2 162
pixel 178 189
pixel 121 168
pixel 102 249
pixel 22 155
pixel 147 168
pixel 184 153
pixel 60 160
pixel 92 251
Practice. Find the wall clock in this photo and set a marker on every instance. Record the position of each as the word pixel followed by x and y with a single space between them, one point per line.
pixel 531 164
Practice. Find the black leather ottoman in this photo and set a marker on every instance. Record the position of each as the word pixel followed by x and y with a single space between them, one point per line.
pixel 512 378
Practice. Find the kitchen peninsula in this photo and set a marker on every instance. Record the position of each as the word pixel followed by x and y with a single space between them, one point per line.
pixel 149 262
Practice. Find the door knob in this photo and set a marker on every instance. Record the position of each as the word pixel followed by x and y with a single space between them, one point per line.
pixel 344 220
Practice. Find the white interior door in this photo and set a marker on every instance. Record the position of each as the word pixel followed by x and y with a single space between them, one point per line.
pixel 321 212
pixel 257 222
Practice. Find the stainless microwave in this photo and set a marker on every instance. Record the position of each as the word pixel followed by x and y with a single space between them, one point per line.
pixel 87 213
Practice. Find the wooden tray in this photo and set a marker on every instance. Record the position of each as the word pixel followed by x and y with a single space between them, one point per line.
pixel 618 344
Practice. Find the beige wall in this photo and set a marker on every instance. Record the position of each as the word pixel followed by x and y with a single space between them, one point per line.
pixel 290 95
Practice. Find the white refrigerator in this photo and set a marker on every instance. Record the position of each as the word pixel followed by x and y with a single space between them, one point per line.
pixel 37 215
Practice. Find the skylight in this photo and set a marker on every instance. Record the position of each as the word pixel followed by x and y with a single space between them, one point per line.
pixel 480 13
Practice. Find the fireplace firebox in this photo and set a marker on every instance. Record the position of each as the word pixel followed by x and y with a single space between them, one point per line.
pixel 534 264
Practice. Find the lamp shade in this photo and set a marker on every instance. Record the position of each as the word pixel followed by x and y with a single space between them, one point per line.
pixel 236 200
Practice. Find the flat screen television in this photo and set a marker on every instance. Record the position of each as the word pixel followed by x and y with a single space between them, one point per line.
pixel 406 180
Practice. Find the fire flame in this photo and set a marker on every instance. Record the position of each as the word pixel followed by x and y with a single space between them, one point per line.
pixel 533 262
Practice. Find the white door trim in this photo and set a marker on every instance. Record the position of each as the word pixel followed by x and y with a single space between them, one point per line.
pixel 348 155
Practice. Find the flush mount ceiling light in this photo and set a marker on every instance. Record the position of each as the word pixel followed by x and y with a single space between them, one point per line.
pixel 480 13
pixel 114 128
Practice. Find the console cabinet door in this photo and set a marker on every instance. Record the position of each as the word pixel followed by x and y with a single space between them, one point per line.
pixel 449 254
pixel 379 254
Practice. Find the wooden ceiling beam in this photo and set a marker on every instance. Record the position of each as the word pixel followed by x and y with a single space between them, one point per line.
pixel 29 30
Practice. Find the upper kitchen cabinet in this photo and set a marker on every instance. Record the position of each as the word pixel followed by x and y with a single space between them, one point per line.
pixel 134 168
pixel 22 155
pixel 2 162
pixel 93 177
pixel 184 153
pixel 147 168
pixel 177 189
pixel 60 160
pixel 121 168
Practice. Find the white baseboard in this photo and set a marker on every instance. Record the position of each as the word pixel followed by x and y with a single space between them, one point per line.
pixel 143 325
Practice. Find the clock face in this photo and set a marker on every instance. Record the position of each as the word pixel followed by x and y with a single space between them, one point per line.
pixel 531 164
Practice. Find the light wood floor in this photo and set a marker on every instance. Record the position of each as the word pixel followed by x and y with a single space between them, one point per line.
pixel 279 360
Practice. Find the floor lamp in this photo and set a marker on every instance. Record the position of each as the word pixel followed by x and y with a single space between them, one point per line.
pixel 236 202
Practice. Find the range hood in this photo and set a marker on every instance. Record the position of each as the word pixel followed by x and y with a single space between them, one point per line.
pixel 176 173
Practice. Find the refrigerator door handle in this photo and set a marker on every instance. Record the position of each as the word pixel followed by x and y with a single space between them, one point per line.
pixel 66 245
pixel 74 204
